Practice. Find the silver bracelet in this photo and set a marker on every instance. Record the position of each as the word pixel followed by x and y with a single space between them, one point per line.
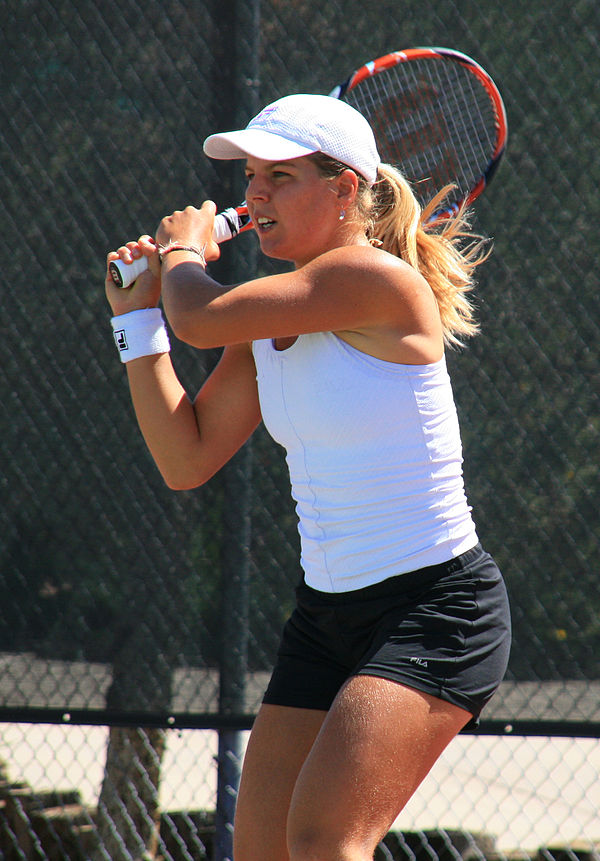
pixel 163 250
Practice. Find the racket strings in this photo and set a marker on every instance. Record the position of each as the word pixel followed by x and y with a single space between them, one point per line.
pixel 434 119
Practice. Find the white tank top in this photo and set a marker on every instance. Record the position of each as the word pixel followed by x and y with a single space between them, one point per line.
pixel 375 460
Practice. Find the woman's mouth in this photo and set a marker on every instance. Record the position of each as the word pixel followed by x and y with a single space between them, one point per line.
pixel 264 223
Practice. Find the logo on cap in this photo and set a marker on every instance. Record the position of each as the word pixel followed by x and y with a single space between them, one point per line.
pixel 264 113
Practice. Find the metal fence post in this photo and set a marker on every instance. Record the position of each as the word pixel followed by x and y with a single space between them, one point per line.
pixel 239 28
pixel 234 653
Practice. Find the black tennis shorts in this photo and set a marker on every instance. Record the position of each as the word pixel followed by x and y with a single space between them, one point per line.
pixel 444 630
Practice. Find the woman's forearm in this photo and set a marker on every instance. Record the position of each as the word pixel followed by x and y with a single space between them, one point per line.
pixel 166 418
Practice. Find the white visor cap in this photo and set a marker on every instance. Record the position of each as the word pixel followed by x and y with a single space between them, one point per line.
pixel 300 125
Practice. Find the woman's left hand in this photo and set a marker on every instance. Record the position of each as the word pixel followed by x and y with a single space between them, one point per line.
pixel 145 291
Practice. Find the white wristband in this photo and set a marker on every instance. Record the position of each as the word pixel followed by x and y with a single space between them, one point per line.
pixel 140 333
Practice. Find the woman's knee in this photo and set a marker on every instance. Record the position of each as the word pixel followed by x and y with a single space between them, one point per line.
pixel 315 843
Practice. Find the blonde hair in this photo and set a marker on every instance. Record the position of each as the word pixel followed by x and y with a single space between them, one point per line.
pixel 444 251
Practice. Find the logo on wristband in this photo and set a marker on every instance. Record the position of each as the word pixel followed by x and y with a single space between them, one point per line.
pixel 121 340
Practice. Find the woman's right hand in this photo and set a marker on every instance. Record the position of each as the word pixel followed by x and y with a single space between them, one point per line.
pixel 146 289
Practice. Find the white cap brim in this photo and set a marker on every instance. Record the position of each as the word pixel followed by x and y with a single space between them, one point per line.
pixel 254 142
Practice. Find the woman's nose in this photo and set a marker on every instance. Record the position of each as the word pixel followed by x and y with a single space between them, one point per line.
pixel 256 189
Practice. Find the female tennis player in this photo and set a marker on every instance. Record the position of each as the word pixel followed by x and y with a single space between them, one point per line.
pixel 401 630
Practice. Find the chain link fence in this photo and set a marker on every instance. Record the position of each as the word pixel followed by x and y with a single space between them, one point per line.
pixel 138 625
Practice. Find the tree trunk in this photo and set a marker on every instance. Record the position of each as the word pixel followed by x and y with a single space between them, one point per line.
pixel 128 811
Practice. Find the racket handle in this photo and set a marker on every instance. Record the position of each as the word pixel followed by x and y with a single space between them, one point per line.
pixel 227 225
pixel 124 274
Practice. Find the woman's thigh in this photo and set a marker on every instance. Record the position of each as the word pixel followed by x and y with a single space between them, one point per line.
pixel 280 741
pixel 376 745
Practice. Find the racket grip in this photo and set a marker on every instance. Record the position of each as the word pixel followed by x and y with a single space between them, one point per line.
pixel 124 274
pixel 227 225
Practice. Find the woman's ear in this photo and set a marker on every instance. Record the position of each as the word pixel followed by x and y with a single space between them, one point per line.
pixel 346 187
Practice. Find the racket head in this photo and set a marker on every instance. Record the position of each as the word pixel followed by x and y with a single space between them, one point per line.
pixel 437 115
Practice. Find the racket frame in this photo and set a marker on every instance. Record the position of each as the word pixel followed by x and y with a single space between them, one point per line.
pixel 395 58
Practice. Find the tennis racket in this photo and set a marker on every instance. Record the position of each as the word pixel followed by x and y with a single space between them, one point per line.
pixel 436 114
pixel 228 224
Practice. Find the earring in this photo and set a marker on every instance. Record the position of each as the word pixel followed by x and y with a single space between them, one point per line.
pixel 342 214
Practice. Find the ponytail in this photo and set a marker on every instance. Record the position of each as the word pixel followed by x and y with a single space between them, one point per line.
pixel 445 252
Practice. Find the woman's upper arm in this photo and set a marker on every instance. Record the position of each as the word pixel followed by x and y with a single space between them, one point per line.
pixel 344 289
